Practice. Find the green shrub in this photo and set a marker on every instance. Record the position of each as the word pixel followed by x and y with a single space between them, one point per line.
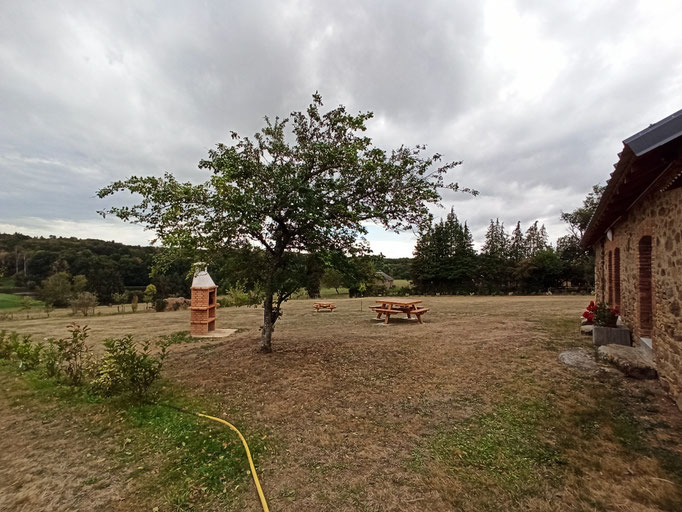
pixel 126 370
pixel 26 352
pixel 149 293
pixel 160 305
pixel 402 291
pixel 237 295
pixel 51 359
pixel 69 355
pixel 84 302
pixel 177 338
pixel 5 347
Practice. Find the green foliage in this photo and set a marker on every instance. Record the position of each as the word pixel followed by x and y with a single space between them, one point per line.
pixel 69 356
pixel 5 345
pixel 120 298
pixel 21 349
pixel 579 218
pixel 160 305
pixel 126 370
pixel 56 289
pixel 604 316
pixel 238 296
pixel 444 257
pixel 84 303
pixel 105 266
pixel 27 353
pixel 26 304
pixel 177 338
pixel 313 271
pixel 79 284
pixel 150 293
pixel 332 278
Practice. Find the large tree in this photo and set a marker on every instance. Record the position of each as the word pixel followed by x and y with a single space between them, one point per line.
pixel 307 183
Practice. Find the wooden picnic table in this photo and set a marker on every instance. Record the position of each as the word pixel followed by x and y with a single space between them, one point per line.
pixel 390 307
pixel 324 305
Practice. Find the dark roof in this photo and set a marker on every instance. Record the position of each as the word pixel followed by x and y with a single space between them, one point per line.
pixel 383 275
pixel 650 160
pixel 656 135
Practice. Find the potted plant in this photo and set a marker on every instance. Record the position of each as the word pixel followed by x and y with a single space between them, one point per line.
pixel 587 319
pixel 588 314
pixel 606 329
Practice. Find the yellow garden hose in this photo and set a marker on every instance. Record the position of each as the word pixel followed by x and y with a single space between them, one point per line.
pixel 248 455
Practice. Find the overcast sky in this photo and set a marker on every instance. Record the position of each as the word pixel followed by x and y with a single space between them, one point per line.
pixel 534 96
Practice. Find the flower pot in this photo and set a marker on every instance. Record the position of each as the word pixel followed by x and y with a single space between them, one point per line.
pixel 611 336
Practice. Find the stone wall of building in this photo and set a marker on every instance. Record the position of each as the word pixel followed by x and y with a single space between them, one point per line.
pixel 659 216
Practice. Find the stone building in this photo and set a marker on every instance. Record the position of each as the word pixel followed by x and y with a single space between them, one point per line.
pixel 636 233
pixel 383 279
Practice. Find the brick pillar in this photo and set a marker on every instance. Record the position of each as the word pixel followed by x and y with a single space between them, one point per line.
pixel 616 277
pixel 204 303
pixel 645 288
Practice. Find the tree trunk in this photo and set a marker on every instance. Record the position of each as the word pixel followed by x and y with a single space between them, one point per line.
pixel 268 324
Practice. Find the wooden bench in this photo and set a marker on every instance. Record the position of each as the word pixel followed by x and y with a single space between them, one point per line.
pixel 418 312
pixel 324 305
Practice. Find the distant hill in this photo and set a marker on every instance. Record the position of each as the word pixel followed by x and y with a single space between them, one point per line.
pixel 110 267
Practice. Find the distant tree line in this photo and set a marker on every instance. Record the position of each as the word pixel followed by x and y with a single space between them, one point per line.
pixel 520 261
pixel 445 261
pixel 106 269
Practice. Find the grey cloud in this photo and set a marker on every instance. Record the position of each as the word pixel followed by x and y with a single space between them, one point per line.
pixel 95 91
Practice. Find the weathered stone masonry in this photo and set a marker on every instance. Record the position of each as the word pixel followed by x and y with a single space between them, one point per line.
pixel 636 233
pixel 649 237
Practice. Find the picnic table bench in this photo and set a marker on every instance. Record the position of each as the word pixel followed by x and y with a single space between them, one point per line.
pixel 324 305
pixel 390 307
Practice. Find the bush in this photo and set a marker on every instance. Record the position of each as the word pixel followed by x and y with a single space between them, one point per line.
pixel 124 369
pixel 51 359
pixel 238 296
pixel 150 293
pixel 402 291
pixel 5 345
pixel 21 348
pixel 160 305
pixel 84 302
pixel 27 353
pixel 69 355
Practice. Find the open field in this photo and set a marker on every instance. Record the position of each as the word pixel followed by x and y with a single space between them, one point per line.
pixel 470 411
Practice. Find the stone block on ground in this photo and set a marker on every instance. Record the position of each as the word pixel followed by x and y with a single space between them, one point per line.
pixel 580 359
pixel 611 336
pixel 632 361
pixel 586 329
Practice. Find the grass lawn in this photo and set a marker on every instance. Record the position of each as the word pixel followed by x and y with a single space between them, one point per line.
pixel 9 301
pixel 470 411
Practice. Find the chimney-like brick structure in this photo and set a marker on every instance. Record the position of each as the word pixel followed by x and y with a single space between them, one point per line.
pixel 204 303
